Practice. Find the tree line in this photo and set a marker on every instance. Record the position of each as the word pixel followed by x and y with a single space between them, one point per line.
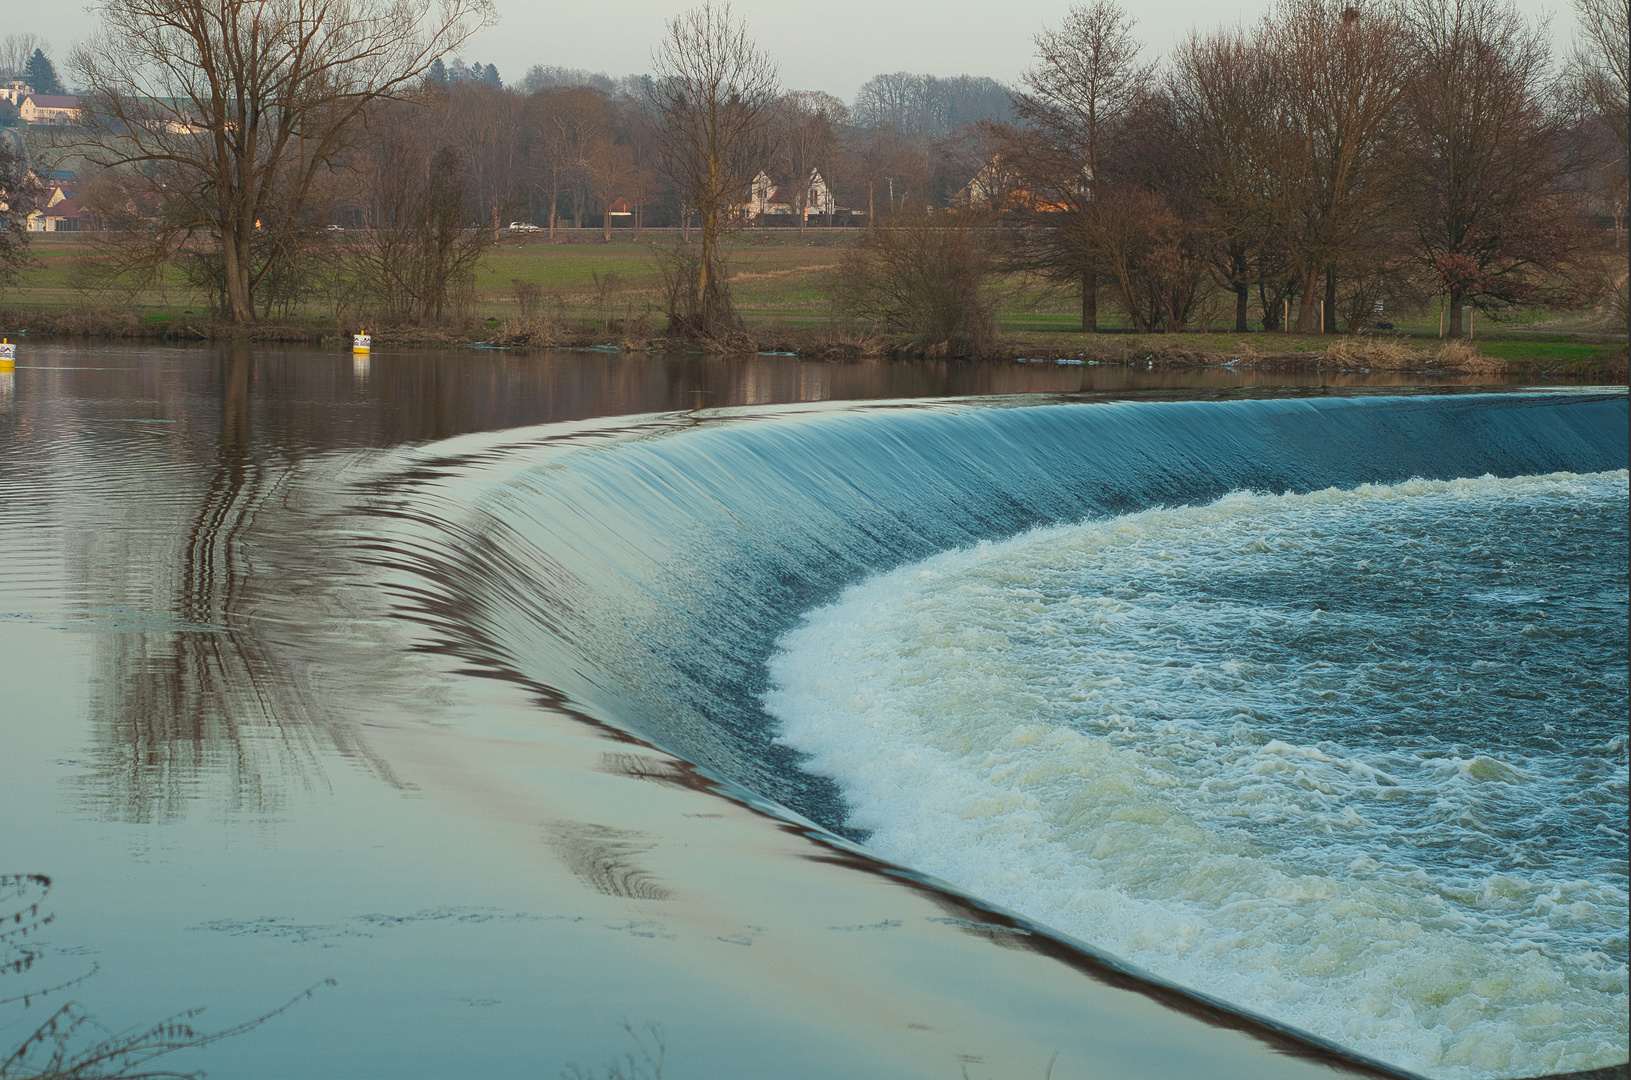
pixel 1329 163
pixel 1325 164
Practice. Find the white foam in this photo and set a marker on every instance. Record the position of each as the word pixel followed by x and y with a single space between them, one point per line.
pixel 1075 723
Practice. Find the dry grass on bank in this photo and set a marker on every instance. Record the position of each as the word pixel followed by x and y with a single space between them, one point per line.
pixel 1464 356
pixel 1458 356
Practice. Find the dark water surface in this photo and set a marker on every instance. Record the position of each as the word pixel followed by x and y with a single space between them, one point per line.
pixel 197 725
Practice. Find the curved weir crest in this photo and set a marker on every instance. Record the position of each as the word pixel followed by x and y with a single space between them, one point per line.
pixel 642 573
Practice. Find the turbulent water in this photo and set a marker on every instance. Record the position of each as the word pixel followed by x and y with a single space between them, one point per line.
pixel 1354 759
pixel 1345 757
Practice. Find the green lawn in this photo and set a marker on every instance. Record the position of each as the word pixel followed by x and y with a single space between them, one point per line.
pixel 780 278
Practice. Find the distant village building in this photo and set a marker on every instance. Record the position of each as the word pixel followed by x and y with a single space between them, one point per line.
pixel 59 110
pixel 61 213
pixel 14 91
pixel 997 186
pixel 766 198
pixel 65 216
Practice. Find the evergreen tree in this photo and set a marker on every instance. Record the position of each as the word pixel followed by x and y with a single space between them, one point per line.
pixel 489 75
pixel 41 74
pixel 437 73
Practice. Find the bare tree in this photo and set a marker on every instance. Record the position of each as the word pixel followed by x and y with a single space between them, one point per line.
pixel 412 258
pixel 568 124
pixel 1602 64
pixel 1086 79
pixel 234 108
pixel 609 165
pixel 1601 78
pixel 484 122
pixel 20 195
pixel 1486 155
pixel 926 275
pixel 15 52
pixel 809 122
pixel 1222 88
pixel 1345 68
pixel 713 93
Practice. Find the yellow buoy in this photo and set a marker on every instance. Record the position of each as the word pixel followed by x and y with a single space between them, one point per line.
pixel 360 343
pixel 8 355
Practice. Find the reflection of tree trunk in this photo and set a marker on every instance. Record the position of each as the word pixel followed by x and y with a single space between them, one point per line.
pixel 174 706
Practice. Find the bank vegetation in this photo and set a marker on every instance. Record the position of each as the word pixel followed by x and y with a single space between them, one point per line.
pixel 1334 168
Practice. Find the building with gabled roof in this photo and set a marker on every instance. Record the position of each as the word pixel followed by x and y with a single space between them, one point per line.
pixel 61 110
pixel 768 198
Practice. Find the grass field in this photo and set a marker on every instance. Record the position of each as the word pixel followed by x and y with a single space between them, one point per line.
pixel 779 282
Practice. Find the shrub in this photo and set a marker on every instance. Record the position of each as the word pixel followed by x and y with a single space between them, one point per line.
pixel 925 276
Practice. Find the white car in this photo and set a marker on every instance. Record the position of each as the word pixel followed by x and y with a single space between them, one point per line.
pixel 521 226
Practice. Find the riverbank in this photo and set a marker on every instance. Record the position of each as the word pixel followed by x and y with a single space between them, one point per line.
pixel 1582 355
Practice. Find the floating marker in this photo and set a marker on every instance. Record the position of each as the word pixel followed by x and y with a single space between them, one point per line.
pixel 8 355
pixel 361 343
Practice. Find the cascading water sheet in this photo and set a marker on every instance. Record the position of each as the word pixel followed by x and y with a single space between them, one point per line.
pixel 1352 759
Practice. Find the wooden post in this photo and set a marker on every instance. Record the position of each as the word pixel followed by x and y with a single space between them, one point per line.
pixel 1441 316
pixel 1285 317
pixel 1322 316
pixel 1470 310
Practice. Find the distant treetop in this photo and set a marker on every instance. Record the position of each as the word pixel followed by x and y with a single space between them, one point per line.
pixel 41 74
pixel 548 76
pixel 460 72
pixel 929 104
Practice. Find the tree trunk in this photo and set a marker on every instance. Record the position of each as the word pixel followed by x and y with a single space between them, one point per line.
pixel 1271 313
pixel 1307 308
pixel 704 311
pixel 1457 302
pixel 1242 286
pixel 1090 302
pixel 235 268
pixel 1330 308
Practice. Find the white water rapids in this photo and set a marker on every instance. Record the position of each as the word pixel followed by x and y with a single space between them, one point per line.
pixel 1354 760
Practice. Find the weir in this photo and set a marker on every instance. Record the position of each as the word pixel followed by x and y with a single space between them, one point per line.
pixel 639 573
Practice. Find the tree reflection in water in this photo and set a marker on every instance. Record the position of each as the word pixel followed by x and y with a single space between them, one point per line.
pixel 203 694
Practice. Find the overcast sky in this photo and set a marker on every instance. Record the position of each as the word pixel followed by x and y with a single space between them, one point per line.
pixel 831 45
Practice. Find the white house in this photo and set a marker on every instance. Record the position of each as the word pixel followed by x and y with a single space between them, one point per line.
pixel 766 198
pixel 61 110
